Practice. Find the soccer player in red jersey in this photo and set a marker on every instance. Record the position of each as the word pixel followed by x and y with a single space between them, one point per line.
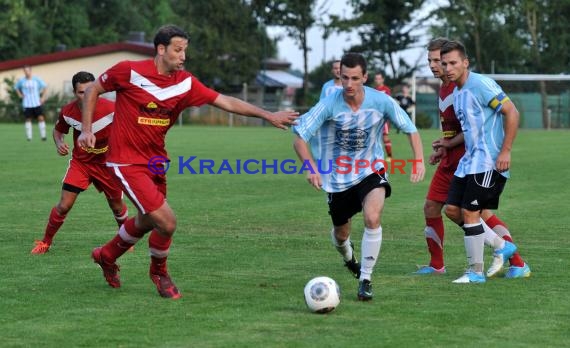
pixel 448 150
pixel 380 86
pixel 150 95
pixel 87 165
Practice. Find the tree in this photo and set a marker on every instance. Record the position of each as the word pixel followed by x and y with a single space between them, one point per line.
pixel 521 36
pixel 297 17
pixel 385 28
pixel 226 42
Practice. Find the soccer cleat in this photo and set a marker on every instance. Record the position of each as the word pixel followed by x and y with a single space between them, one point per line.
pixel 164 285
pixel 423 270
pixel 353 265
pixel 110 270
pixel 499 258
pixel 470 277
pixel 40 248
pixel 518 272
pixel 365 290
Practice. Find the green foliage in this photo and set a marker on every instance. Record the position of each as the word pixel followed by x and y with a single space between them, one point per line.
pixel 385 28
pixel 297 17
pixel 226 47
pixel 521 36
pixel 10 108
pixel 246 245
pixel 423 120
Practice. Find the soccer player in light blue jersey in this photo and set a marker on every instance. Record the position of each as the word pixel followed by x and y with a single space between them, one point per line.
pixel 489 121
pixel 349 164
pixel 334 84
pixel 32 90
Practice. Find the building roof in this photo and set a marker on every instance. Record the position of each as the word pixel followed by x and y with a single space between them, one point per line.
pixel 278 78
pixel 136 47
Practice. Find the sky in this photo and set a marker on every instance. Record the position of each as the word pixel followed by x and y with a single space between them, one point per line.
pixel 335 45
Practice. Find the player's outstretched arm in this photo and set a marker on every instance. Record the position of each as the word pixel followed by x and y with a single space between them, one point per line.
pixel 87 138
pixel 280 119
pixel 418 166
pixel 302 150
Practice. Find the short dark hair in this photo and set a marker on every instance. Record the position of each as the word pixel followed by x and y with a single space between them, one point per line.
pixel 352 60
pixel 453 45
pixel 166 33
pixel 82 77
pixel 437 43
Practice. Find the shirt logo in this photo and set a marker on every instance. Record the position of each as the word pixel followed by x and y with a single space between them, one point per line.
pixel 161 122
pixel 351 139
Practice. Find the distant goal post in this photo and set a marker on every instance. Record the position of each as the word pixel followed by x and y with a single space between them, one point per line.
pixel 543 100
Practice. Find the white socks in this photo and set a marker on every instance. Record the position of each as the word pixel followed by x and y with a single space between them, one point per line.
pixel 371 243
pixel 42 127
pixel 474 248
pixel 28 126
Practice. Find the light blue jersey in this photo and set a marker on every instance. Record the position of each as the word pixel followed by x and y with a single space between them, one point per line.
pixel 31 90
pixel 348 136
pixel 477 106
pixel 328 88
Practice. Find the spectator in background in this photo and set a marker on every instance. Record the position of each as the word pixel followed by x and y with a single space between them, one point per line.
pixel 380 86
pixel 32 90
pixel 333 84
pixel 405 100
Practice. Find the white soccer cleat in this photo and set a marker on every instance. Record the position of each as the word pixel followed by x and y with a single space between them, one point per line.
pixel 470 277
pixel 499 258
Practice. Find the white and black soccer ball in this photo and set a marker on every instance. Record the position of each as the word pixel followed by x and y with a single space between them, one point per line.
pixel 322 295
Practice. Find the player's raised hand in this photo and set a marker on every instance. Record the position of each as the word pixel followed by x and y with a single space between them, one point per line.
pixel 86 140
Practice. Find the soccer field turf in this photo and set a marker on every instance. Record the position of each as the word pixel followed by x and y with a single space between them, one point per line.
pixel 246 245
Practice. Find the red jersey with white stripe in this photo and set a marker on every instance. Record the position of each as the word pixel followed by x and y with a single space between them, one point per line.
pixel 449 125
pixel 384 89
pixel 147 105
pixel 70 116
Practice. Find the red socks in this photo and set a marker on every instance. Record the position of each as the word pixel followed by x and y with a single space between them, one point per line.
pixel 128 235
pixel 54 223
pixel 159 246
pixel 494 222
pixel 435 242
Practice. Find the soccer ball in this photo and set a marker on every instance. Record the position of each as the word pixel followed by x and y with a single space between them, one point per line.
pixel 322 295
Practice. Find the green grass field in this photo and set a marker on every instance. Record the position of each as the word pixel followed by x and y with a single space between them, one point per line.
pixel 247 244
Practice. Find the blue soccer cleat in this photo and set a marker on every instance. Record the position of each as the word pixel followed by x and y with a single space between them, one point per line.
pixel 425 270
pixel 518 272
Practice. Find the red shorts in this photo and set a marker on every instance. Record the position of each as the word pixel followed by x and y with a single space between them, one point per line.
pixel 440 183
pixel 145 189
pixel 81 175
